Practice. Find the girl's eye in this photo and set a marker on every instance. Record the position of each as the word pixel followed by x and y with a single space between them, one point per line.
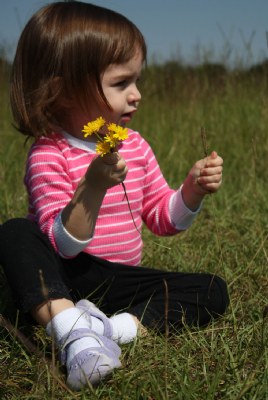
pixel 121 83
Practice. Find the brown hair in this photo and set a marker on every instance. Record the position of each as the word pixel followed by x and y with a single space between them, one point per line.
pixel 61 54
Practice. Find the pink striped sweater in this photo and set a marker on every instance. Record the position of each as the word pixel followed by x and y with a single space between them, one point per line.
pixel 54 168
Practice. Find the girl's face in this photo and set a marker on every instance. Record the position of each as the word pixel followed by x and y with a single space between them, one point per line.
pixel 119 85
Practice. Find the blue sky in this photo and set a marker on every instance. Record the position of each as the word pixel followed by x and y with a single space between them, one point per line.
pixel 221 29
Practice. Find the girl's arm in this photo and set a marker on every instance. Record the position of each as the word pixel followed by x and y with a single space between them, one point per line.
pixel 80 215
pixel 54 196
pixel 204 178
pixel 165 211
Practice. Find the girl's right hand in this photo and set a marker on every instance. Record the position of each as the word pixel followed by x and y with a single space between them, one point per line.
pixel 107 171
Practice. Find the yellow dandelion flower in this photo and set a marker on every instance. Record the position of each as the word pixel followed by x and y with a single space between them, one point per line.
pixel 93 127
pixel 111 139
pixel 103 148
pixel 107 143
pixel 118 132
pixel 112 127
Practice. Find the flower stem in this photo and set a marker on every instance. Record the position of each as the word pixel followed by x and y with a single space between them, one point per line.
pixel 125 191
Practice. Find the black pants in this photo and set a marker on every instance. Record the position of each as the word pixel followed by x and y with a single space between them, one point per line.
pixel 36 273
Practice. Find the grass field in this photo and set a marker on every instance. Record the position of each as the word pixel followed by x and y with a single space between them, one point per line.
pixel 228 359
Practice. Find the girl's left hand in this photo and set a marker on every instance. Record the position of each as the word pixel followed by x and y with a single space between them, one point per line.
pixel 210 173
pixel 205 177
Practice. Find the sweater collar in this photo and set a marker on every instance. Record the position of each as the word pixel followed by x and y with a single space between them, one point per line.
pixel 80 144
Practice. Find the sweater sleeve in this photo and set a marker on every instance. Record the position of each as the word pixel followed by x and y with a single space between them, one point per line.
pixel 68 246
pixel 164 211
pixel 49 188
pixel 181 216
pixel 157 196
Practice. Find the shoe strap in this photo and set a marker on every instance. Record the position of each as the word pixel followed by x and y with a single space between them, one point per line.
pixel 71 337
pixel 108 331
pixel 92 311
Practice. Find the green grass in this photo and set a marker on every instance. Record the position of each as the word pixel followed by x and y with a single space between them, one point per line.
pixel 228 359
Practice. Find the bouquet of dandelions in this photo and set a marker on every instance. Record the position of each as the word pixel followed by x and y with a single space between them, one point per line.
pixel 107 143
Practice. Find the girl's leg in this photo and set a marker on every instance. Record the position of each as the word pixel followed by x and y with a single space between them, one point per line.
pixel 34 273
pixel 31 266
pixel 155 297
pixel 41 282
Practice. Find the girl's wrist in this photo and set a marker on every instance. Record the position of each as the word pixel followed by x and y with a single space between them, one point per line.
pixel 92 185
pixel 191 199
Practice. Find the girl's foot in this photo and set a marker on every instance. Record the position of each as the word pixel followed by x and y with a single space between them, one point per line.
pixel 88 356
pixel 92 364
pixel 122 328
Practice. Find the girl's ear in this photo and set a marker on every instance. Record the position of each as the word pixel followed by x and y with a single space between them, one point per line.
pixel 59 103
pixel 62 99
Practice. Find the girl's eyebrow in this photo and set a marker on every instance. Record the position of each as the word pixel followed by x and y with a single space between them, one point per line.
pixel 124 75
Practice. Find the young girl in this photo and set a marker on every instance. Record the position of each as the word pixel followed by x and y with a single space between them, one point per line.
pixel 76 62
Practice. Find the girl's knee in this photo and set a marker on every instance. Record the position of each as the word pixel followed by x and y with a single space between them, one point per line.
pixel 17 226
pixel 219 300
pixel 21 231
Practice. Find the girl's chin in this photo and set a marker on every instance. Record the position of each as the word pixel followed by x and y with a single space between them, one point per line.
pixel 124 121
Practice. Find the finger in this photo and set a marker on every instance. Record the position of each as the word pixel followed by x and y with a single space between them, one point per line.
pixel 212 187
pixel 207 180
pixel 210 158
pixel 209 171
pixel 120 177
pixel 120 170
pixel 214 162
pixel 213 154
pixel 111 158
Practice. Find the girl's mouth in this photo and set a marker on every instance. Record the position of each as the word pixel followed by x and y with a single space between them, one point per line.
pixel 127 117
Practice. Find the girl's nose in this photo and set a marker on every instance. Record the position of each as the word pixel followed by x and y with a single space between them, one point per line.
pixel 134 96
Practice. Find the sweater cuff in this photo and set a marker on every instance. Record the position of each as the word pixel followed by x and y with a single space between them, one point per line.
pixel 68 245
pixel 181 216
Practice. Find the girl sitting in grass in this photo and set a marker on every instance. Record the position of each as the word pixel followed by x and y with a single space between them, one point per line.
pixel 81 244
